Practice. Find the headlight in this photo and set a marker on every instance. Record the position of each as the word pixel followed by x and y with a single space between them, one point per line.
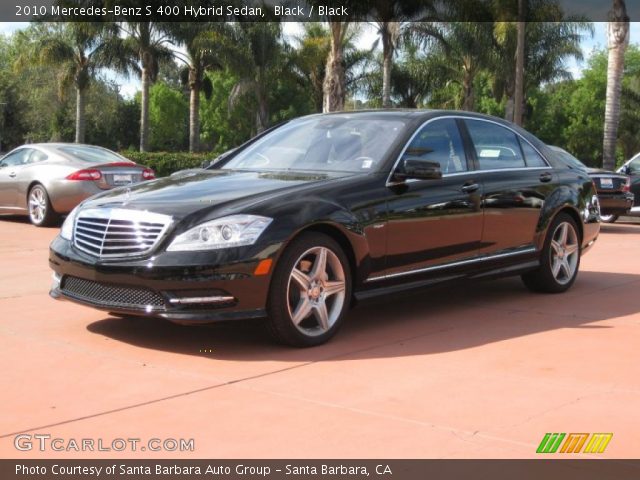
pixel 66 231
pixel 231 231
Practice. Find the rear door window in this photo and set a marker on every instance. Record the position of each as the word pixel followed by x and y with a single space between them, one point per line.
pixel 496 147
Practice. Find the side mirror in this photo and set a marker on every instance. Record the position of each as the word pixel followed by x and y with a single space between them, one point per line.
pixel 206 164
pixel 626 169
pixel 419 169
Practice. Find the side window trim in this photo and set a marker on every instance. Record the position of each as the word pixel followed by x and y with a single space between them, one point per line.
pixel 473 165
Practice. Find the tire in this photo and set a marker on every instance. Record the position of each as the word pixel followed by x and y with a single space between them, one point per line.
pixel 608 218
pixel 41 213
pixel 559 260
pixel 307 303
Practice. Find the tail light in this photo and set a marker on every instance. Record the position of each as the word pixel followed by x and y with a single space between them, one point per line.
pixel 627 185
pixel 90 174
pixel 148 174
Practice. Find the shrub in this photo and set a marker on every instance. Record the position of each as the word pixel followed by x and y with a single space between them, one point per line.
pixel 165 163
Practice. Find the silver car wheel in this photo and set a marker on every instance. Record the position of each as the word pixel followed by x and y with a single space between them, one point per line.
pixel 37 204
pixel 565 253
pixel 316 291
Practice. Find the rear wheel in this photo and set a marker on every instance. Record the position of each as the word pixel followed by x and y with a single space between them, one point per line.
pixel 310 291
pixel 560 258
pixel 608 218
pixel 41 212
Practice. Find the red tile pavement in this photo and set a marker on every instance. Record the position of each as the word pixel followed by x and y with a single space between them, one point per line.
pixel 471 371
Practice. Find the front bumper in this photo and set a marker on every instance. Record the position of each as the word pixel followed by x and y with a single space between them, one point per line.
pixel 615 203
pixel 183 287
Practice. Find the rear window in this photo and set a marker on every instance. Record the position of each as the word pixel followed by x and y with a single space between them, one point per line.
pixel 91 154
pixel 570 159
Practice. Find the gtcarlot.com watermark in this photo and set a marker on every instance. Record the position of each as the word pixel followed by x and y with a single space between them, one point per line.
pixel 46 443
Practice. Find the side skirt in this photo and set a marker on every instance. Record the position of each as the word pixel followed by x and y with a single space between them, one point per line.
pixel 498 272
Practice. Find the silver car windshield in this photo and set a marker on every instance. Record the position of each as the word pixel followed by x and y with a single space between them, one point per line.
pixel 337 143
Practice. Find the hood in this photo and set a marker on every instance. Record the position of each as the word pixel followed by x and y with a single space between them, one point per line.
pixel 186 192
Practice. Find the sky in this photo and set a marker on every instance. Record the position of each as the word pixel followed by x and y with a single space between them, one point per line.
pixel 128 87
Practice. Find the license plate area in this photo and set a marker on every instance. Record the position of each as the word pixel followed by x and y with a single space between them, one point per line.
pixel 606 183
pixel 122 179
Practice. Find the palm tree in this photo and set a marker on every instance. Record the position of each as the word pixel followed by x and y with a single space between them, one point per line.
pixel 390 18
pixel 618 40
pixel 147 43
pixel 458 51
pixel 310 60
pixel 254 53
pixel 202 42
pixel 547 46
pixel 413 77
pixel 312 51
pixel 334 84
pixel 78 50
pixel 519 74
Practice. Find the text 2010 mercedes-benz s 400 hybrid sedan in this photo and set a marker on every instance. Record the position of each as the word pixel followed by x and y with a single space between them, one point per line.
pixel 296 223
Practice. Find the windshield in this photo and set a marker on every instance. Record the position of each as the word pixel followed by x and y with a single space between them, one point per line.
pixel 339 143
pixel 91 154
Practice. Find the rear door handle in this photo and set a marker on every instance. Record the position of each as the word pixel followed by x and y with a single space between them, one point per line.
pixel 545 177
pixel 470 187
pixel 12 174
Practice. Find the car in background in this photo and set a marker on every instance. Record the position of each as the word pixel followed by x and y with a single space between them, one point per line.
pixel 46 180
pixel 325 209
pixel 632 168
pixel 613 188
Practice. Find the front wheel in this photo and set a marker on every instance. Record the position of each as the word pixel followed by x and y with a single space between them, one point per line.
pixel 608 218
pixel 559 260
pixel 310 291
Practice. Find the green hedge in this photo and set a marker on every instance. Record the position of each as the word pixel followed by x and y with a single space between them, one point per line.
pixel 165 163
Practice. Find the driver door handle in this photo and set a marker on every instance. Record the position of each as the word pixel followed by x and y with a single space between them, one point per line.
pixel 12 174
pixel 545 177
pixel 470 187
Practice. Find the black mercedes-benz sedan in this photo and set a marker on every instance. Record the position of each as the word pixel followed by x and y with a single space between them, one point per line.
pixel 296 224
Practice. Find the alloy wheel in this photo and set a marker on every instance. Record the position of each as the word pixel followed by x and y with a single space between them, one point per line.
pixel 37 205
pixel 565 253
pixel 316 291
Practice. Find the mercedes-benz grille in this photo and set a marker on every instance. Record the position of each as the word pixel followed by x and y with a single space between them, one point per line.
pixel 117 232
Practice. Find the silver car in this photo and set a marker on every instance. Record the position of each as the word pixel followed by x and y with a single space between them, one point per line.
pixel 47 180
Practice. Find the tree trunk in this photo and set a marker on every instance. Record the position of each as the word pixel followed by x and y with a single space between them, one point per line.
pixel 618 39
pixel 520 52
pixel 334 85
pixel 509 108
pixel 387 61
pixel 262 114
pixel 194 118
pixel 468 97
pixel 80 120
pixel 144 110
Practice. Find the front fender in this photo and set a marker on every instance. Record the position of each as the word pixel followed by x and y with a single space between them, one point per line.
pixel 317 214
